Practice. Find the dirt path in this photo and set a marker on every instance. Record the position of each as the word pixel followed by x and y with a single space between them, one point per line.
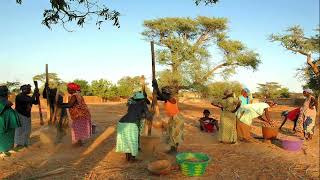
pixel 97 159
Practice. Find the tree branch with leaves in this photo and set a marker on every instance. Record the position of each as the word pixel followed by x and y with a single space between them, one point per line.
pixel 79 12
pixel 295 40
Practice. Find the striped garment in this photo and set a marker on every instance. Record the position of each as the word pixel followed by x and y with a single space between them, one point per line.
pixel 127 138
pixel 22 134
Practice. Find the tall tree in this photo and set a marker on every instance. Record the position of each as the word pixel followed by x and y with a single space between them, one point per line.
pixel 184 44
pixel 296 41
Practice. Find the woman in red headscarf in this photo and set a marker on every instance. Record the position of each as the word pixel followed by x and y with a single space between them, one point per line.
pixel 80 115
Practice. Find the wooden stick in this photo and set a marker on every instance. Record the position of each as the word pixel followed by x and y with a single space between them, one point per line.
pixel 49 113
pixel 40 110
pixel 154 93
pixel 50 173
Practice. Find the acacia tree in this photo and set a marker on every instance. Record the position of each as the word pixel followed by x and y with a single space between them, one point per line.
pixel 270 90
pixel 184 48
pixel 295 40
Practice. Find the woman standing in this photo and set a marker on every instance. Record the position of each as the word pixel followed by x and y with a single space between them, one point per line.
pixel 79 114
pixel 176 122
pixel 128 129
pixel 24 104
pixel 307 117
pixel 245 97
pixel 229 105
pixel 9 121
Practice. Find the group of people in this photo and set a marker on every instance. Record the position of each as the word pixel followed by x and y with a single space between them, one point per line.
pixel 15 124
pixel 237 114
pixel 131 125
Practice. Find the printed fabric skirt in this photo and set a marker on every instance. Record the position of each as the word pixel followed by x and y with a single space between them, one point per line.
pixel 127 138
pixel 81 129
pixel 22 134
pixel 175 130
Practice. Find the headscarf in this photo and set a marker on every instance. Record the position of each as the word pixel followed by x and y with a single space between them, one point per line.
pixel 74 86
pixel 307 90
pixel 3 90
pixel 25 87
pixel 138 95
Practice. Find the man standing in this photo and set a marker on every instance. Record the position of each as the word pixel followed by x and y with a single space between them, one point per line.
pixel 23 106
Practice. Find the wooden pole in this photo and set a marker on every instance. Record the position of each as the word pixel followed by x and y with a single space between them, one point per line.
pixel 48 97
pixel 40 110
pixel 154 104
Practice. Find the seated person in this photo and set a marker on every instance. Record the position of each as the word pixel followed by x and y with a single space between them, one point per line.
pixel 292 115
pixel 207 123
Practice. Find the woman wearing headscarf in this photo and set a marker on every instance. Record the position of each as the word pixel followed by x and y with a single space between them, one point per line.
pixel 245 97
pixel 128 129
pixel 81 128
pixel 307 117
pixel 24 104
pixel 228 105
pixel 176 122
pixel 9 121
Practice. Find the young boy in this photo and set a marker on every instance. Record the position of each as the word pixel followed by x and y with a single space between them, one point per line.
pixel 207 123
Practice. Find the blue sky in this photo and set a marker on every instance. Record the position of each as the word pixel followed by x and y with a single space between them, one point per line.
pixel 110 53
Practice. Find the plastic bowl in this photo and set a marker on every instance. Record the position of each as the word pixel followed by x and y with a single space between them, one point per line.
pixel 292 145
pixel 193 164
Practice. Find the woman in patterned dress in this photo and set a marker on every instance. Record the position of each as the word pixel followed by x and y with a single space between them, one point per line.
pixel 307 117
pixel 79 114
pixel 229 105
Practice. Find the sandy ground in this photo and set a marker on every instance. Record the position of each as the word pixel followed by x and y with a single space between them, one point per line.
pixel 98 160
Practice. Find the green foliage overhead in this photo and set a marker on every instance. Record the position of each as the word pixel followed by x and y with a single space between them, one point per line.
pixel 78 12
pixel 184 49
